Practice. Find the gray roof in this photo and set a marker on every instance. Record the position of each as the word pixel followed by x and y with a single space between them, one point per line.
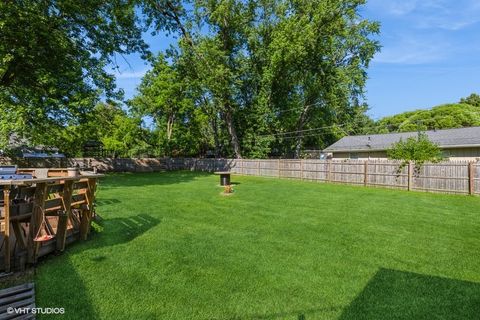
pixel 449 138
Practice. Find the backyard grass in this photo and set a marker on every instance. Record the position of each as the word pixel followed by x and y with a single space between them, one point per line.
pixel 170 246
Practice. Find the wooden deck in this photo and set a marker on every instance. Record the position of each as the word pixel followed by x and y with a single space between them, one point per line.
pixel 52 205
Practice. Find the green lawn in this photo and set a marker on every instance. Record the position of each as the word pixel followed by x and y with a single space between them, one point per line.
pixel 171 247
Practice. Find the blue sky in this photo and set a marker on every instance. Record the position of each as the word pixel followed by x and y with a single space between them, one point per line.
pixel 430 55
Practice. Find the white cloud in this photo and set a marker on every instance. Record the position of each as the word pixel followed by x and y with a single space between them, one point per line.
pixel 394 7
pixel 431 14
pixel 425 31
pixel 413 50
pixel 400 8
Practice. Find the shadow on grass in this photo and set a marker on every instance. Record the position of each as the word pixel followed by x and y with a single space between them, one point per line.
pixel 149 178
pixel 58 285
pixel 122 230
pixel 400 295
pixel 393 294
pixel 105 202
pixel 299 314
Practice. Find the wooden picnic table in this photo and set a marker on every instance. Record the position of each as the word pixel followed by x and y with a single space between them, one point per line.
pixel 224 177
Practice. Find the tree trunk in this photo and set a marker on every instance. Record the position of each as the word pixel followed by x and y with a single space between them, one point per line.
pixel 213 117
pixel 8 76
pixel 300 125
pixel 171 119
pixel 215 136
pixel 233 133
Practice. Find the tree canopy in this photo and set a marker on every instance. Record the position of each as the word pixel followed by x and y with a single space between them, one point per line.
pixel 246 78
pixel 57 56
pixel 441 117
pixel 54 57
pixel 473 100
pixel 263 76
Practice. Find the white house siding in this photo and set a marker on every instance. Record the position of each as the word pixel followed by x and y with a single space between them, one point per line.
pixel 469 154
pixel 455 154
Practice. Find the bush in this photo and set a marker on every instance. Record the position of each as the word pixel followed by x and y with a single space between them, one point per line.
pixel 418 150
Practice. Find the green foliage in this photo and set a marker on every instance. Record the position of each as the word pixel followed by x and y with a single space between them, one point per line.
pixel 53 60
pixel 126 138
pixel 473 100
pixel 55 57
pixel 165 96
pixel 440 117
pixel 415 149
pixel 122 134
pixel 316 70
pixel 243 74
pixel 260 69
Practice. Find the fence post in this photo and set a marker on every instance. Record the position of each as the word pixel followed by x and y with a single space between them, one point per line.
pixel 258 167
pixel 365 173
pixel 410 176
pixel 301 169
pixel 329 170
pixel 278 167
pixel 471 178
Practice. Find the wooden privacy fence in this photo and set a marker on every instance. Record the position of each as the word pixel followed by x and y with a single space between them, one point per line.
pixel 446 177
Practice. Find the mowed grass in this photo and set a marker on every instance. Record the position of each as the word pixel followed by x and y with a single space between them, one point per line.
pixel 170 246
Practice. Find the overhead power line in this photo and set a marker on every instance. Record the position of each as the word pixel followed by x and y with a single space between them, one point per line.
pixel 302 131
pixel 298 108
pixel 305 135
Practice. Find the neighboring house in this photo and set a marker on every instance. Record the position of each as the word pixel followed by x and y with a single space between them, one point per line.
pixel 22 148
pixel 456 144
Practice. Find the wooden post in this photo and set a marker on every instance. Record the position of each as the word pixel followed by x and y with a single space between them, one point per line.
pixel 278 167
pixel 258 167
pixel 365 173
pixel 471 178
pixel 65 216
pixel 6 221
pixel 410 176
pixel 18 230
pixel 36 220
pixel 329 170
pixel 87 211
pixel 301 169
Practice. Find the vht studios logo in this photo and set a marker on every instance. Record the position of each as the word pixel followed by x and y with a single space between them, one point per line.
pixel 28 310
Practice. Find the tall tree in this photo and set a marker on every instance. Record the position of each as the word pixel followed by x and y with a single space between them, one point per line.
pixel 56 57
pixel 316 72
pixel 266 68
pixel 53 58
pixel 167 97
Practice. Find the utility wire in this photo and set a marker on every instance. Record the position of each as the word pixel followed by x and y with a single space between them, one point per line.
pixel 306 135
pixel 300 131
pixel 298 108
pixel 311 132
